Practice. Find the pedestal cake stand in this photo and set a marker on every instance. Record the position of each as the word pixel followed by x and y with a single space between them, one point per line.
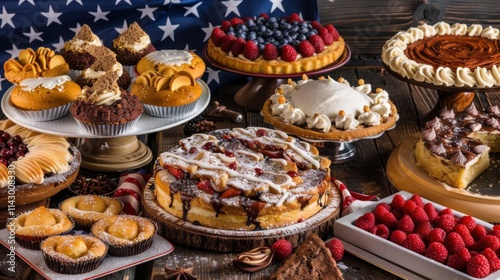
pixel 261 86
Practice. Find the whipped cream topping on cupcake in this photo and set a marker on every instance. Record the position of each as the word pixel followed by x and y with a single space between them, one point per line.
pixel 170 57
pixel 105 91
pixel 103 65
pixel 48 83
pixel 134 39
pixel 83 39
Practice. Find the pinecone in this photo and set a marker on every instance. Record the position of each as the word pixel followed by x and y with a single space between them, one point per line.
pixel 198 125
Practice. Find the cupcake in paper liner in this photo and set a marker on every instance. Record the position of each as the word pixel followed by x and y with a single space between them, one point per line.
pixel 105 108
pixel 73 254
pixel 44 99
pixel 168 93
pixel 32 227
pixel 75 51
pixel 126 235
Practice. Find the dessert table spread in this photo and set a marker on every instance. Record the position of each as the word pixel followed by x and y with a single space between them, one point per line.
pixel 365 173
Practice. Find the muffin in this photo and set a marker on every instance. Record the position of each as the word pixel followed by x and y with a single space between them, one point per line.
pixel 126 235
pixel 44 99
pixel 34 226
pixel 88 209
pixel 105 108
pixel 73 254
pixel 102 65
pixel 168 94
pixel 132 45
pixel 75 50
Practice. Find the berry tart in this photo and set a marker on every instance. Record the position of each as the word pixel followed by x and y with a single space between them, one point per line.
pixel 271 45
pixel 242 179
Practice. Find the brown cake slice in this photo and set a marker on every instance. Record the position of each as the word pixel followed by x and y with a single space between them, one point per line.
pixel 311 260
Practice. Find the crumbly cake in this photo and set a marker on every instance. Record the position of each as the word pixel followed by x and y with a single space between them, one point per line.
pixel 103 64
pixel 454 148
pixel 243 179
pixel 457 55
pixel 132 45
pixel 327 109
pixel 270 45
pixel 311 260
pixel 76 52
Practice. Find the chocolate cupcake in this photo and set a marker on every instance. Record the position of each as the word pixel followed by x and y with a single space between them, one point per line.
pixel 132 45
pixel 103 64
pixel 75 51
pixel 105 108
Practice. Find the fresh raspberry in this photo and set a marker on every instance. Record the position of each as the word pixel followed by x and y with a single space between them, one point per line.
pixel 336 247
pixel 270 52
pixel 294 17
pixel 478 232
pixel 381 230
pixel 316 25
pixel 431 211
pixel 436 235
pixel 333 31
pixel 419 216
pixel 217 36
pixel 398 237
pixel 227 43
pixel 437 252
pixel 423 229
pixel 446 211
pixel 488 241
pixel 478 266
pixel 288 53
pixel 389 220
pixel 495 232
pixel 366 221
pixel 306 49
pixel 379 212
pixel 406 224
pixel 446 222
pixel 454 242
pixel 459 260
pixel 397 202
pixel 398 214
pixel 250 51
pixel 238 46
pixel 282 249
pixel 317 43
pixel 235 21
pixel 414 243
pixel 465 234
pixel 496 227
pixel 468 221
pixel 264 15
pixel 326 36
pixel 408 207
pixel 417 199
pixel 225 25
pixel 493 259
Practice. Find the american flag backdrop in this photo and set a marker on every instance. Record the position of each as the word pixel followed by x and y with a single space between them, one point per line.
pixel 171 24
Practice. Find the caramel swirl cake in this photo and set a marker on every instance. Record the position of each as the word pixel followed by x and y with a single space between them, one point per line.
pixel 243 179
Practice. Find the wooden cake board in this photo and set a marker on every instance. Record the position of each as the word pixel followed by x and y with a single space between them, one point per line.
pixel 483 203
pixel 177 230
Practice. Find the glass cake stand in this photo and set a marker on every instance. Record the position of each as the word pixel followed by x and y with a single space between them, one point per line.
pixel 260 87
pixel 108 153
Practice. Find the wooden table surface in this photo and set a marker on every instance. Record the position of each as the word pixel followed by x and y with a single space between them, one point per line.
pixel 365 173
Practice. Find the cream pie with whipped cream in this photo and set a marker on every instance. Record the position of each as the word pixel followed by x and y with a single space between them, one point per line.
pixel 327 109
pixel 457 55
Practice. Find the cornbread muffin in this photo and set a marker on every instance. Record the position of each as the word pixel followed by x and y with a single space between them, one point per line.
pixel 105 108
pixel 43 62
pixel 44 99
pixel 75 51
pixel 126 235
pixel 243 179
pixel 73 254
pixel 164 61
pixel 102 65
pixel 168 94
pixel 34 226
pixel 454 147
pixel 132 45
pixel 88 209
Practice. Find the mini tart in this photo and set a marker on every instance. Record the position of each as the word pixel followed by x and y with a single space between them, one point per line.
pixel 88 209
pixel 168 94
pixel 34 226
pixel 73 254
pixel 126 235
pixel 177 60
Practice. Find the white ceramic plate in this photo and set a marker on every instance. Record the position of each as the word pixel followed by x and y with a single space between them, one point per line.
pixel 390 252
pixel 111 264
pixel 68 127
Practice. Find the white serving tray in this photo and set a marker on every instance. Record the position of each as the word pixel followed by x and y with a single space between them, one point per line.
pixel 111 264
pixel 391 253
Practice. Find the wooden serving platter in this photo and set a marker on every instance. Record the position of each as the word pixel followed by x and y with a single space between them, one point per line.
pixel 480 199
pixel 177 230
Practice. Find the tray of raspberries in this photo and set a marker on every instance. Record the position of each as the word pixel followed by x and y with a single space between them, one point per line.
pixel 424 237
